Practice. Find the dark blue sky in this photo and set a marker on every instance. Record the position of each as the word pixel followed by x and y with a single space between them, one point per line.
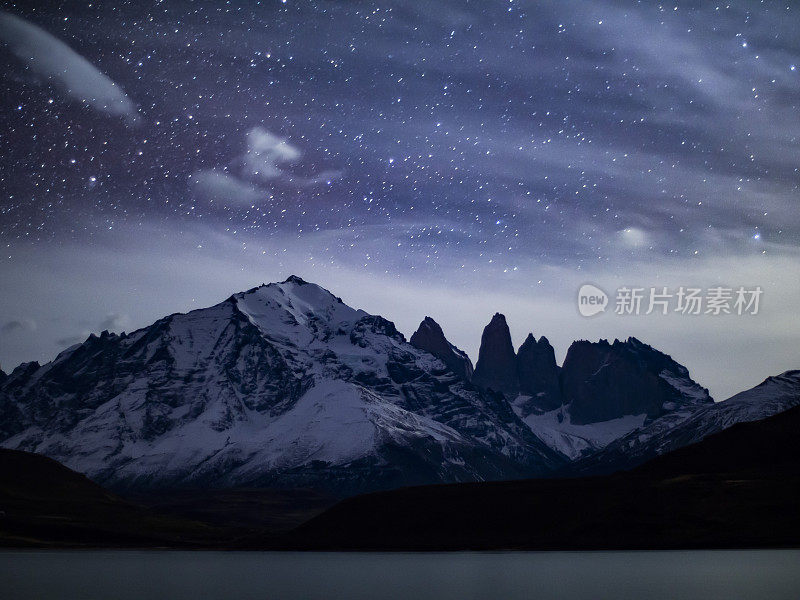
pixel 449 157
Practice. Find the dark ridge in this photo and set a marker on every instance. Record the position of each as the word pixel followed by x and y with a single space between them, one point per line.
pixel 737 489
pixel 43 503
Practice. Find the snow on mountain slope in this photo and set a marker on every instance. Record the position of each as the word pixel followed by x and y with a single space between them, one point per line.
pixel 681 428
pixel 280 385
pixel 574 440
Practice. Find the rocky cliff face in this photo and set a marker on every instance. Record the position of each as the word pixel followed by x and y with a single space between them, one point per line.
pixel 430 337
pixel 602 381
pixel 603 391
pixel 282 385
pixel 496 368
pixel 537 373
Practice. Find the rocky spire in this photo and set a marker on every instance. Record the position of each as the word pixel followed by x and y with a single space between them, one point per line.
pixel 496 368
pixel 430 337
pixel 537 373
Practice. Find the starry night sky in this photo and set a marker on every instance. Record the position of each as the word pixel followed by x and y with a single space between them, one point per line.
pixel 450 158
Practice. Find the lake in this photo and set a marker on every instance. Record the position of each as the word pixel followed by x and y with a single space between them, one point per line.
pixel 107 575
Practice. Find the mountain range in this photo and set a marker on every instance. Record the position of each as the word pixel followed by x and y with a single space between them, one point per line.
pixel 738 488
pixel 285 386
pixel 735 489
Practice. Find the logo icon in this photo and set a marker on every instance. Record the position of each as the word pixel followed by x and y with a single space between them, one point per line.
pixel 591 300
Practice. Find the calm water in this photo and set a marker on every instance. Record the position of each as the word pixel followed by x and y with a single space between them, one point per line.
pixel 107 575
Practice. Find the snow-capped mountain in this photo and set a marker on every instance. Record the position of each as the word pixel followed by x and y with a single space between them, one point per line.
pixel 286 386
pixel 681 428
pixel 282 385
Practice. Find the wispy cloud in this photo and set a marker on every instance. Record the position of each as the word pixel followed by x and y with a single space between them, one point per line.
pixel 113 322
pixel 216 185
pixel 266 153
pixel 71 340
pixel 56 63
pixel 17 325
pixel 266 162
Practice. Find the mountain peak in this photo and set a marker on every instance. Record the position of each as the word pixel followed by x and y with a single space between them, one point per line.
pixel 428 324
pixel 295 279
pixel 499 319
pixel 496 368
pixel 531 341
pixel 279 386
pixel 430 338
pixel 296 309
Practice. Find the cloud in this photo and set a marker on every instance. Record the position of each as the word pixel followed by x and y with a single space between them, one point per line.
pixel 217 186
pixel 268 157
pixel 71 340
pixel 18 325
pixel 248 177
pixel 55 62
pixel 113 322
pixel 633 237
pixel 265 152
